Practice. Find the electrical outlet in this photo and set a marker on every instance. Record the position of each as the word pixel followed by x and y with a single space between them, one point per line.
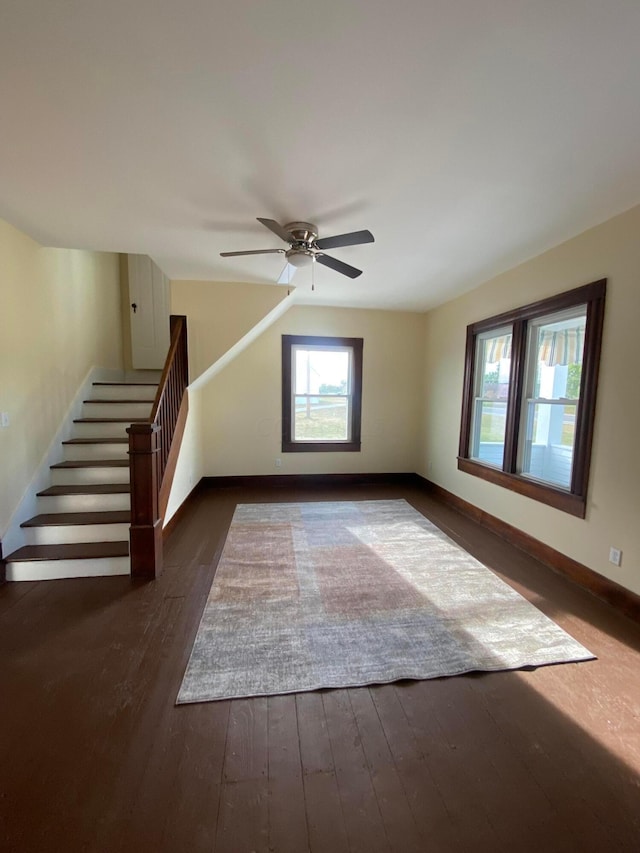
pixel 615 556
pixel 278 463
pixel 4 419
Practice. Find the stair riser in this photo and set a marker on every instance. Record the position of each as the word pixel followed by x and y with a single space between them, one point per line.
pixel 65 535
pixel 73 452
pixel 84 476
pixel 124 392
pixel 116 410
pixel 100 430
pixel 83 503
pixel 40 570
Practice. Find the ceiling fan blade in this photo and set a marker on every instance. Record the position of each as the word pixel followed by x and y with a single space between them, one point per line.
pixel 287 274
pixel 338 266
pixel 274 226
pixel 254 252
pixel 354 238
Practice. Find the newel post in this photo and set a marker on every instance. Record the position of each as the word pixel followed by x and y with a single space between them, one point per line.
pixel 146 525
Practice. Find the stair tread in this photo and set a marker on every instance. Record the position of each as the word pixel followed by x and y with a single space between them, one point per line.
pixel 117 402
pixel 111 420
pixel 71 551
pixel 128 384
pixel 92 463
pixel 105 440
pixel 87 489
pixel 59 519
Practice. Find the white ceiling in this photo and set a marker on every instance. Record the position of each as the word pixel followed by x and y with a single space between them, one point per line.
pixel 467 135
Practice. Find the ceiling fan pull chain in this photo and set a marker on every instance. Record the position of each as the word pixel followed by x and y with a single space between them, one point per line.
pixel 313 274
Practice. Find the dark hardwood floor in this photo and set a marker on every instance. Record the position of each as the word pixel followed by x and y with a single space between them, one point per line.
pixel 94 755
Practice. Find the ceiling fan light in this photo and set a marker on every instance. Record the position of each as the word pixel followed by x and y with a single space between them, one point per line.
pixel 300 259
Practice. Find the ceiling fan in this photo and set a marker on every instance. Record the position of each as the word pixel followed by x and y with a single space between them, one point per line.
pixel 305 247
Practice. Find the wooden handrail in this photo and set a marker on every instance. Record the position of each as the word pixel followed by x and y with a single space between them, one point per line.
pixel 152 453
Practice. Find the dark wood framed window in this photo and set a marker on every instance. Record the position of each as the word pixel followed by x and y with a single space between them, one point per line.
pixel 321 393
pixel 529 397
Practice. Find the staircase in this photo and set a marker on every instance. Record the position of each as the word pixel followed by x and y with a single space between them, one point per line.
pixel 82 528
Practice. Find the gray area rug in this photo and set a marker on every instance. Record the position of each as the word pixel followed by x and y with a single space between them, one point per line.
pixel 337 594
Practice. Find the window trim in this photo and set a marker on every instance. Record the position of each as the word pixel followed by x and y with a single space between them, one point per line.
pixel 574 500
pixel 288 443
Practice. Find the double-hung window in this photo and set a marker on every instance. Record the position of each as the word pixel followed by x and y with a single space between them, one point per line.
pixel 529 400
pixel 321 393
pixel 491 395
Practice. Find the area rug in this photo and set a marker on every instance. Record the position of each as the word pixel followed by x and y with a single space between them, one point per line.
pixel 336 594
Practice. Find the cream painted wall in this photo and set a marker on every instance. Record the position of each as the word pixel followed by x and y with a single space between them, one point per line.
pixel 240 408
pixel 219 317
pixel 611 251
pixel 219 314
pixel 60 316
pixel 188 471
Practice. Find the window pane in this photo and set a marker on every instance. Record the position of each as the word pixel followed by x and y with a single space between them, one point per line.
pixel 491 431
pixel 321 418
pixel 321 371
pixel 549 443
pixel 554 368
pixel 493 360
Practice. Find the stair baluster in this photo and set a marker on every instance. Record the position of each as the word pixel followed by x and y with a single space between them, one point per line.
pixel 153 448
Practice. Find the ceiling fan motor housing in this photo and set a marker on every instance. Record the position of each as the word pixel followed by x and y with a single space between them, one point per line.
pixel 302 232
pixel 302 252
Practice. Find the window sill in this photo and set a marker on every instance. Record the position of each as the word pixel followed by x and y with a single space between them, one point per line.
pixel 557 498
pixel 320 446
